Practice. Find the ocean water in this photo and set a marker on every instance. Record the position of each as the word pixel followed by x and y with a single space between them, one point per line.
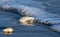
pixel 39 9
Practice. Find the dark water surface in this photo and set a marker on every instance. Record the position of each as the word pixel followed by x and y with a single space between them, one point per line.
pixel 39 9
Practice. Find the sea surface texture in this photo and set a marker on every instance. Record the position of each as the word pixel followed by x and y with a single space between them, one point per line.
pixel 39 9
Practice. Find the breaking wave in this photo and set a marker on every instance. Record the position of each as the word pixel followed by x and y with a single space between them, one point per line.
pixel 37 13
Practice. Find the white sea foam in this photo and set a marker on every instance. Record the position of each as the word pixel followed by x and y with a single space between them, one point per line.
pixel 56 28
pixel 36 12
pixel 29 10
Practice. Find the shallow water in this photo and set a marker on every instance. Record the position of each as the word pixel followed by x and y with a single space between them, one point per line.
pixel 41 9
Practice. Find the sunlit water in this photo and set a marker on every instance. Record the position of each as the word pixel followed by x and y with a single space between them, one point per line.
pixel 39 9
